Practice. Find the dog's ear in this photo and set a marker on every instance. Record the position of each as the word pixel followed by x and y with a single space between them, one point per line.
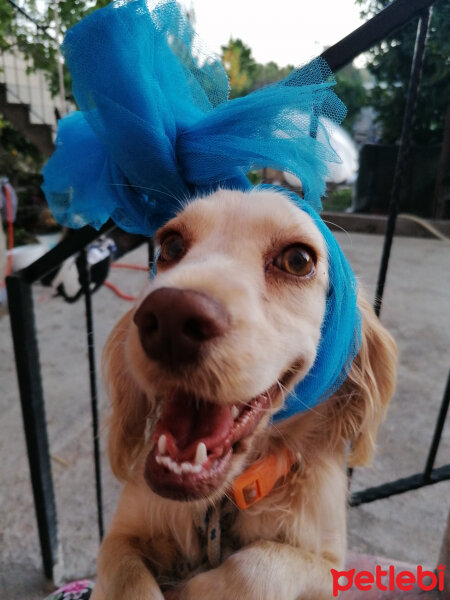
pixel 368 388
pixel 130 407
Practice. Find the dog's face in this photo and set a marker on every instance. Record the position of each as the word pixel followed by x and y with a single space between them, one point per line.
pixel 231 320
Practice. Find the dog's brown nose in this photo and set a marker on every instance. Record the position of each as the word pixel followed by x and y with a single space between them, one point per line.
pixel 174 324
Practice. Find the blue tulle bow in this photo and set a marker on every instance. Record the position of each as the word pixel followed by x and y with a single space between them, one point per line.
pixel 155 127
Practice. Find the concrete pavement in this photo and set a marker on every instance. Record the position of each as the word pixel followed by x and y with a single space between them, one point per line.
pixel 407 527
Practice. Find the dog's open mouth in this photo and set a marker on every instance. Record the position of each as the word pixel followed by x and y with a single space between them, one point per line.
pixel 195 440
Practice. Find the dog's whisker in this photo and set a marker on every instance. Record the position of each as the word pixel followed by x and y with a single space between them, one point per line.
pixel 342 229
pixel 231 499
pixel 281 434
pixel 147 189
pixel 284 389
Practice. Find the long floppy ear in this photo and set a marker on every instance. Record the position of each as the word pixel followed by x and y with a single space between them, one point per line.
pixel 130 406
pixel 368 387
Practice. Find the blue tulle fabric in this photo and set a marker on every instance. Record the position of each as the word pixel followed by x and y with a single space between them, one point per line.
pixel 340 333
pixel 155 125
pixel 155 128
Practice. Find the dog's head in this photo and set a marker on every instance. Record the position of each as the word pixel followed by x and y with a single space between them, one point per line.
pixel 231 321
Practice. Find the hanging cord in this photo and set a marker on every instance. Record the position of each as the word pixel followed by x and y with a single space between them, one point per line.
pixel 117 290
pixel 116 265
pixel 9 220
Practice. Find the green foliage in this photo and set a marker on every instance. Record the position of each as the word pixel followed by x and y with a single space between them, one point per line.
pixel 33 41
pixel 338 199
pixel 6 20
pixel 22 237
pixel 240 67
pixel 269 73
pixel 17 155
pixel 350 89
pixel 390 64
pixel 255 177
pixel 245 73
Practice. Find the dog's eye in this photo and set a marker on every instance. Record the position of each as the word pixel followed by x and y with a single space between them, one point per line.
pixel 172 248
pixel 295 260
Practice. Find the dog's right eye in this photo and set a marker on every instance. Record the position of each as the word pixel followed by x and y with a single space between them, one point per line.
pixel 296 260
pixel 173 248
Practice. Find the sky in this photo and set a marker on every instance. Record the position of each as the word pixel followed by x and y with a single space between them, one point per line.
pixel 285 31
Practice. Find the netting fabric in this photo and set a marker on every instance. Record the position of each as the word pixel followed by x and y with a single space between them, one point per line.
pixel 155 127
pixel 340 332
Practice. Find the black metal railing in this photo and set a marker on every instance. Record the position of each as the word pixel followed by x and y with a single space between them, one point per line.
pixel 19 287
pixel 26 351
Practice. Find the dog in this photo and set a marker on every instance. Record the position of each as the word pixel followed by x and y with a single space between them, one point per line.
pixel 195 372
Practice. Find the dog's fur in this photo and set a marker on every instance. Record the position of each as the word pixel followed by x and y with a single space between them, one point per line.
pixel 284 546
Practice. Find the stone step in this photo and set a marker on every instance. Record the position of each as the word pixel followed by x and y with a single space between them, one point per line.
pixel 19 115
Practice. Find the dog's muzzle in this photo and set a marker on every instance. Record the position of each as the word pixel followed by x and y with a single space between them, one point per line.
pixel 175 324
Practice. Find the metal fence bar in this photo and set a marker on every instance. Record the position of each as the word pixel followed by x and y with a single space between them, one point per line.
pixel 400 486
pixel 65 249
pixel 151 253
pixel 383 24
pixel 438 431
pixel 85 275
pixel 429 476
pixel 26 351
pixel 404 152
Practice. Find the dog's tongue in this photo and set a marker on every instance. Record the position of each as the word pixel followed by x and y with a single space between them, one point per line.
pixel 186 421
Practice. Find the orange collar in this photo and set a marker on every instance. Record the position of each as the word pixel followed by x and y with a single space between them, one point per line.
pixel 260 478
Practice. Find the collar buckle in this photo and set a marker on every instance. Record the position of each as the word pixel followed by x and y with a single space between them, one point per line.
pixel 261 477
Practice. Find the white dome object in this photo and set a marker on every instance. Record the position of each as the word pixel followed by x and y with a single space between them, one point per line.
pixel 345 148
pixel 22 256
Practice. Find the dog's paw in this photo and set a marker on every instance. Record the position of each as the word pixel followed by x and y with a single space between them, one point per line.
pixel 227 582
pixel 207 586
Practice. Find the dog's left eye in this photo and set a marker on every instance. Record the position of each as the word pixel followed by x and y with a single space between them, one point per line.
pixel 295 260
pixel 173 248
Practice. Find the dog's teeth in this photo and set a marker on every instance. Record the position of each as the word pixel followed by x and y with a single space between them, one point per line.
pixel 235 412
pixel 188 467
pixel 170 464
pixel 162 444
pixel 201 454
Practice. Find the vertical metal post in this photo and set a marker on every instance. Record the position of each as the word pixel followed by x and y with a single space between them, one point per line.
pixel 151 253
pixel 86 284
pixel 20 301
pixel 444 559
pixel 59 58
pixel 438 431
pixel 403 153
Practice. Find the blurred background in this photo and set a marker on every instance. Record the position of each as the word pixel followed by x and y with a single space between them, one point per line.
pixel 258 43
pixel 258 46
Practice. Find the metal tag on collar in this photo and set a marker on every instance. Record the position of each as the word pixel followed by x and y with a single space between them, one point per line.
pixel 260 478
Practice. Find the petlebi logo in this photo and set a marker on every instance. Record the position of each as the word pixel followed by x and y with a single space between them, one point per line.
pixel 389 579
